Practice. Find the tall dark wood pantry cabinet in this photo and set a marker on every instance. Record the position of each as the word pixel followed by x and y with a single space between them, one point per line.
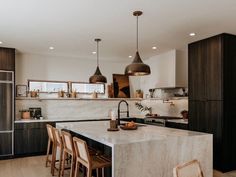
pixel 212 93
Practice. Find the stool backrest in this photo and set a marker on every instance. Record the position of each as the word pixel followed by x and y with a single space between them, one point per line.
pixel 57 137
pixel 189 169
pixel 67 142
pixel 82 152
pixel 50 130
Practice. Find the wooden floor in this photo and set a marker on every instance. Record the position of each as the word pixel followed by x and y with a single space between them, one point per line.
pixel 26 167
pixel 35 167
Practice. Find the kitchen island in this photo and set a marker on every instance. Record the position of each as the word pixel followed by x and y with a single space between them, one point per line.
pixel 149 151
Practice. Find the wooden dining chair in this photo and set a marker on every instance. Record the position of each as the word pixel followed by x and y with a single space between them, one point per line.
pixel 68 150
pixel 189 169
pixel 50 143
pixel 91 162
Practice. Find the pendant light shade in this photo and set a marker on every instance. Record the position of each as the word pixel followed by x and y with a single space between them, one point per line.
pixel 137 67
pixel 97 77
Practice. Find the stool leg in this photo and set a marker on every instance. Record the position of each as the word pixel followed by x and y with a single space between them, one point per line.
pixel 97 173
pixel 72 166
pixel 48 149
pixel 60 161
pixel 53 163
pixel 76 168
pixel 89 172
pixel 102 172
pixel 63 163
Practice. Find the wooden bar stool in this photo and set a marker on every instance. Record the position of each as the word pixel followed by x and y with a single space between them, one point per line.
pixel 91 162
pixel 68 149
pixel 50 142
pixel 57 145
pixel 189 169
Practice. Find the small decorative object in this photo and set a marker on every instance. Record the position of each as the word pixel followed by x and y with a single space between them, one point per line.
pixel 61 94
pixel 34 94
pixel 151 91
pixel 121 87
pixel 73 94
pixel 21 90
pixel 113 121
pixel 143 108
pixel 184 114
pixel 25 114
pixel 95 95
pixel 139 93
pixel 129 126
pixel 110 91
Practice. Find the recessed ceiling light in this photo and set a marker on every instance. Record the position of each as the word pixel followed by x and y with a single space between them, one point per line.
pixel 130 56
pixel 94 52
pixel 51 48
pixel 192 34
pixel 154 48
pixel 0 42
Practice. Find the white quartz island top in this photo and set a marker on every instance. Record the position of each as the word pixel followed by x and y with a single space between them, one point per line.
pixel 149 151
pixel 97 130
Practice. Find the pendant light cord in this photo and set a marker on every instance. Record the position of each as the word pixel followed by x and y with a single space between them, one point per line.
pixel 137 34
pixel 97 54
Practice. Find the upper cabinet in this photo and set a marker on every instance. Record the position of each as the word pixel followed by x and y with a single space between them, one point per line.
pixel 206 68
pixel 167 70
pixel 7 59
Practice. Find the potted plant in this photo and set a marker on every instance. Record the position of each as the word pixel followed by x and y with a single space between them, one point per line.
pixel 139 93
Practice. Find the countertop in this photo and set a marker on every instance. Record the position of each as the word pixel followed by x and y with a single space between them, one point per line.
pixel 97 130
pixel 60 120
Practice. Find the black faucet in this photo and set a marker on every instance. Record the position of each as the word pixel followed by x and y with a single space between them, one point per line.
pixel 122 111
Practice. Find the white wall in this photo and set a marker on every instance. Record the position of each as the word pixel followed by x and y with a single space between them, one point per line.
pixel 41 67
pixel 167 70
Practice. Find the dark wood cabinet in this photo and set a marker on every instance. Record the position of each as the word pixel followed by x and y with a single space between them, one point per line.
pixel 7 59
pixel 31 138
pixel 5 144
pixel 177 125
pixel 212 85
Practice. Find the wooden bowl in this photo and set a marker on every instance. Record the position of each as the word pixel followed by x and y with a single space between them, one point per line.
pixel 123 127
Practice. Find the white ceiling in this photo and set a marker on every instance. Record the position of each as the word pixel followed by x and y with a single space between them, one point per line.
pixel 70 26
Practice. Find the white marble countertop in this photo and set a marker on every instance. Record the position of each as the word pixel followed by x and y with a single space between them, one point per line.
pixel 58 120
pixel 97 130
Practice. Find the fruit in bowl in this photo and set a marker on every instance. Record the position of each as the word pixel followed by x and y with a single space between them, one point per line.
pixel 130 124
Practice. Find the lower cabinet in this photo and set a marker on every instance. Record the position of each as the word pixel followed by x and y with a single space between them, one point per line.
pixel 30 138
pixel 5 144
pixel 177 125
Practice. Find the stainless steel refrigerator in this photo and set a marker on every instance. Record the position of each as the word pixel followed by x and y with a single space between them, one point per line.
pixel 6 113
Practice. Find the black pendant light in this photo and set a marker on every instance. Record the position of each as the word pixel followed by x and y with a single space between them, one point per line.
pixel 97 77
pixel 137 67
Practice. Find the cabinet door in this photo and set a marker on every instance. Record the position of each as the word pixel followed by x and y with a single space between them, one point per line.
pixel 5 144
pixel 197 70
pixel 197 116
pixel 31 138
pixel 7 59
pixel 21 141
pixel 214 69
pixel 214 115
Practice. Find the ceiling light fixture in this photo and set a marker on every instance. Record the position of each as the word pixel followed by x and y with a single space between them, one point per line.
pixel 130 56
pixel 51 48
pixel 154 48
pixel 192 34
pixel 94 53
pixel 97 77
pixel 137 67
pixel 1 42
